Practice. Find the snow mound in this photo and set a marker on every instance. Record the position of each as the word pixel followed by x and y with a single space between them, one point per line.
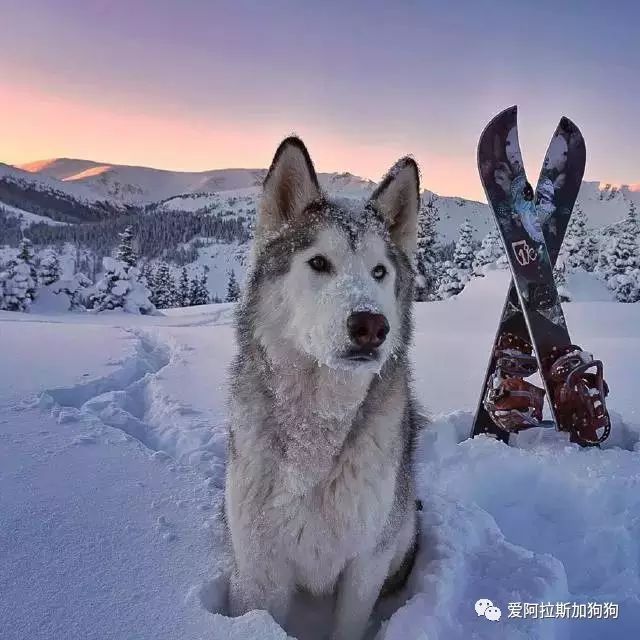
pixel 112 472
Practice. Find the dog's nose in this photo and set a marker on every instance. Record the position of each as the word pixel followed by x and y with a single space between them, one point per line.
pixel 367 330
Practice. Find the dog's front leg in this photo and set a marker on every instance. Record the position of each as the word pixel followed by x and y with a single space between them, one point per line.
pixel 358 590
pixel 269 589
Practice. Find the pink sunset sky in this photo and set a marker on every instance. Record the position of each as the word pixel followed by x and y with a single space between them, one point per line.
pixel 200 85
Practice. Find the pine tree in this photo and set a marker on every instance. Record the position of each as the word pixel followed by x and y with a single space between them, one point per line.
pixel 147 274
pixel 18 282
pixel 126 252
pixel 76 289
pixel 121 288
pixel 426 258
pixel 450 282
pixel 233 290
pixel 559 275
pixel 164 294
pixel 183 296
pixel 49 268
pixel 198 291
pixel 623 266
pixel 619 261
pixel 463 253
pixel 491 250
pixel 630 223
pixel 592 251
pixel 574 250
pixel 624 254
pixel 606 249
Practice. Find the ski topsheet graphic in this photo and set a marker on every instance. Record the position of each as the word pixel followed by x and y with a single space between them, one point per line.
pixel 532 225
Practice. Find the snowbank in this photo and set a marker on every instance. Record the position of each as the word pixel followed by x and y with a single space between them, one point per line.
pixel 112 472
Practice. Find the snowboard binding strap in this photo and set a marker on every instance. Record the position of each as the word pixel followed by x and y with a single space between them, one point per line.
pixel 579 395
pixel 513 403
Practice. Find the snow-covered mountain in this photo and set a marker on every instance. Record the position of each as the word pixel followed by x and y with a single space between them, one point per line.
pixel 144 185
pixel 52 199
pixel 236 191
pixel 141 185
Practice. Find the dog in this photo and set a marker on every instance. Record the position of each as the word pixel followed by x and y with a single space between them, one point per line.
pixel 319 492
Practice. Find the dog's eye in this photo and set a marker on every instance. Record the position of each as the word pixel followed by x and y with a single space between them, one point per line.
pixel 379 272
pixel 320 264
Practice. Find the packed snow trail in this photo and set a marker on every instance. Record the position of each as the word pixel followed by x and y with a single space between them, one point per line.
pixel 112 448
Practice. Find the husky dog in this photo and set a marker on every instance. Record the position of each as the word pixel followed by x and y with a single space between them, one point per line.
pixel 319 486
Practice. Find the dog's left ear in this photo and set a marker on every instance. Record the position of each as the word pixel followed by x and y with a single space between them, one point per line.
pixel 291 184
pixel 397 198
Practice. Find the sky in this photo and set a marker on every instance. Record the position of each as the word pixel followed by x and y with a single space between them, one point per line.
pixel 201 84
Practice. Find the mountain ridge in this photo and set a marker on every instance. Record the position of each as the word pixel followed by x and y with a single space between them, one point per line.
pixel 112 188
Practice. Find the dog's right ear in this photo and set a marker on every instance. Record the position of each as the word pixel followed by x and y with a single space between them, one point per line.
pixel 291 184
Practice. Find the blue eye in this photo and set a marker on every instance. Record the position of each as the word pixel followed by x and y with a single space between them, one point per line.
pixel 379 272
pixel 320 264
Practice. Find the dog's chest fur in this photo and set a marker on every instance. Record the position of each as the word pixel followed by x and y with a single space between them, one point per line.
pixel 333 474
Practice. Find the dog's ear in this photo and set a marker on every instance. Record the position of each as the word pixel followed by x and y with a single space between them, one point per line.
pixel 397 198
pixel 291 184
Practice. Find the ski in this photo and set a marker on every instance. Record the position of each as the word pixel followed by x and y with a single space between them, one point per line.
pixel 566 151
pixel 572 380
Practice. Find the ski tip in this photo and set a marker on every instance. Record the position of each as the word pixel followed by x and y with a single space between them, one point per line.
pixel 511 113
pixel 573 133
pixel 568 125
pixel 502 122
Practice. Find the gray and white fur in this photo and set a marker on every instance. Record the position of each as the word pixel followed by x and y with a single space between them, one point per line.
pixel 319 486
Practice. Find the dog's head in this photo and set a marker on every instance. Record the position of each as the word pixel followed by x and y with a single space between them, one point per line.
pixel 333 278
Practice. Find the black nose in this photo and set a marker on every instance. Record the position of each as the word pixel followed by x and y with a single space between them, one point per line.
pixel 367 330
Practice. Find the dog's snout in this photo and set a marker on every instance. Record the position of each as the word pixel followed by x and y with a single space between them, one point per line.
pixel 367 330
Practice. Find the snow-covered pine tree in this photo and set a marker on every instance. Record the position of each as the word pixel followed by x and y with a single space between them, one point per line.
pixel 630 223
pixel 619 260
pixel 76 289
pixel 606 249
pixel 19 280
pixel 627 286
pixel 574 247
pixel 121 288
pixel 147 274
pixel 164 293
pixel 233 289
pixel 491 250
pixel 426 257
pixel 592 251
pixel 183 294
pixel 198 290
pixel 463 253
pixel 560 277
pixel 622 261
pixel 49 268
pixel 126 252
pixel 450 282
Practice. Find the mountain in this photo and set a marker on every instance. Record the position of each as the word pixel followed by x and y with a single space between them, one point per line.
pixel 53 199
pixel 143 185
pixel 200 219
pixel 75 190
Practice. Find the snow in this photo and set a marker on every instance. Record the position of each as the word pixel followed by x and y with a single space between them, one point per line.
pixel 112 466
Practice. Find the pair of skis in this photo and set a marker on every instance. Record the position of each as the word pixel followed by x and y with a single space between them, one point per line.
pixel 533 335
